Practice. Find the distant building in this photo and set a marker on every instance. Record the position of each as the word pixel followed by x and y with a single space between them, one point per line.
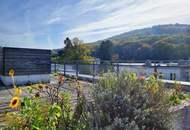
pixel 170 71
pixel 30 65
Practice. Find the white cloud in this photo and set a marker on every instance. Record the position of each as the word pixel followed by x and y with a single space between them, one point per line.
pixel 136 15
pixel 84 6
pixel 90 20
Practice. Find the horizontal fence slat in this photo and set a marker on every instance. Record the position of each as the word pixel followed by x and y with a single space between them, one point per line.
pixel 28 68
pixel 26 50
pixel 13 56
pixel 29 60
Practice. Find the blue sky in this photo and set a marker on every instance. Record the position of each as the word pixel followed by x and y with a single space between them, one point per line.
pixel 46 23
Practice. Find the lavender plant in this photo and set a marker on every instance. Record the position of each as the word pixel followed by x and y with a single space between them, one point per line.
pixel 128 103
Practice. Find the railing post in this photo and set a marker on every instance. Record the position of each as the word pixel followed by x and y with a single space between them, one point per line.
pixel 64 67
pixel 77 69
pixel 117 69
pixel 55 68
pixel 94 72
pixel 112 67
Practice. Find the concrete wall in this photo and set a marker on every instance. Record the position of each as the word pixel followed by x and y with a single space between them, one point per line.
pixel 182 118
pixel 24 79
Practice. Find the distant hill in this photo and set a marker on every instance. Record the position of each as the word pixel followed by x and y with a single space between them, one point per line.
pixel 169 33
pixel 158 30
pixel 160 42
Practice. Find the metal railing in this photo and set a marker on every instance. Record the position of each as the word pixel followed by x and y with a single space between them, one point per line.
pixel 91 70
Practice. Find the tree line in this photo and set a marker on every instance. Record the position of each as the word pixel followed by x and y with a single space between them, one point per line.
pixel 75 50
pixel 141 51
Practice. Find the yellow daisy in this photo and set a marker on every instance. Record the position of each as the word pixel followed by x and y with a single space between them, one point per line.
pixel 11 72
pixel 18 91
pixel 15 102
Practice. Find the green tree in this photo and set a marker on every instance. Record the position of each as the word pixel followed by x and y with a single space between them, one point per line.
pixel 106 50
pixel 75 50
pixel 162 51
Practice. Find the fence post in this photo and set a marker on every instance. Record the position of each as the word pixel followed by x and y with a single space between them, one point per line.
pixel 112 67
pixel 117 69
pixel 64 67
pixel 77 69
pixel 94 72
pixel 55 67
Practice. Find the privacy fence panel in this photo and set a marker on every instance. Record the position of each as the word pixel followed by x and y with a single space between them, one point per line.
pixel 25 61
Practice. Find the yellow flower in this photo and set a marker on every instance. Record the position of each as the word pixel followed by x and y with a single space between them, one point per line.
pixel 11 72
pixel 18 91
pixel 15 102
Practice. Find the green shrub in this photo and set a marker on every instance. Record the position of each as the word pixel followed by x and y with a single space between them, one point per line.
pixel 177 95
pixel 128 103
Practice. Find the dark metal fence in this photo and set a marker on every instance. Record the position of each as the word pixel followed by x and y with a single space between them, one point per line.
pixel 91 70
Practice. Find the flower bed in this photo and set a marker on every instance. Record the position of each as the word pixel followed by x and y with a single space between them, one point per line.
pixel 123 102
